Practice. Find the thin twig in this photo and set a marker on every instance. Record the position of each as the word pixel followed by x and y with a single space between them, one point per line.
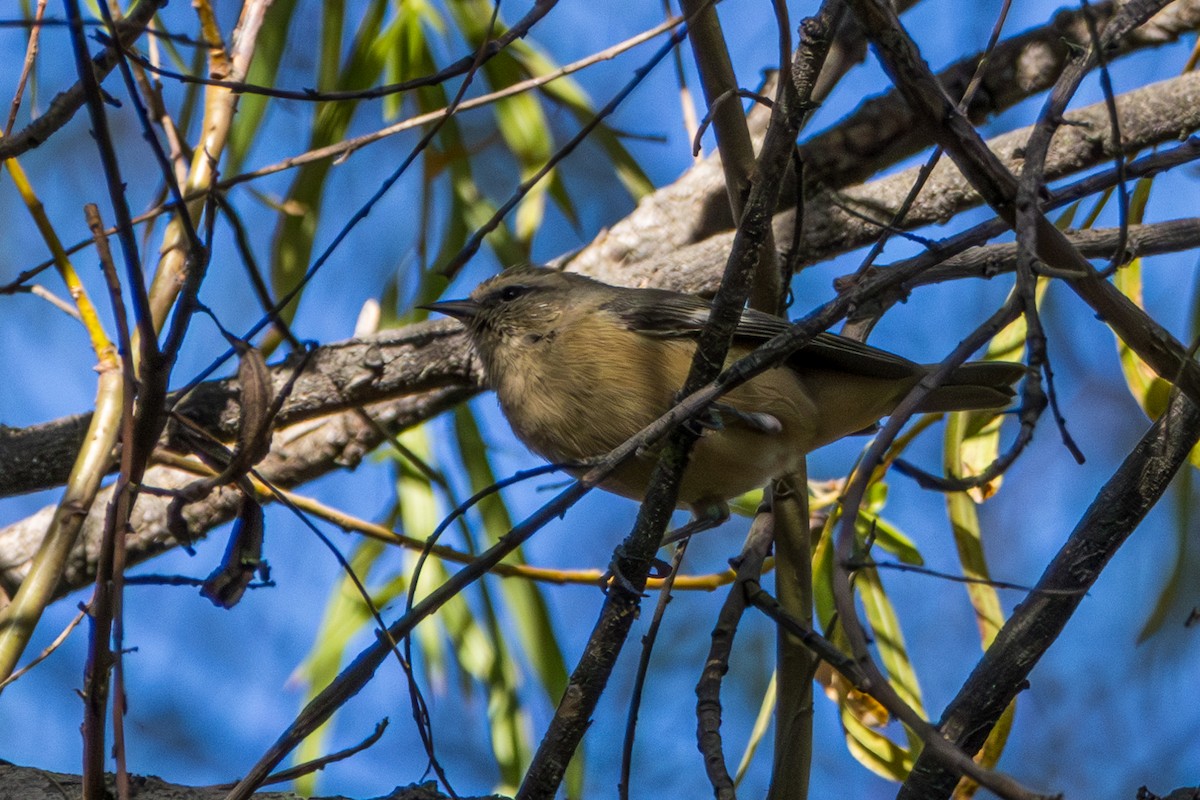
pixel 31 50
pixel 42 656
pixel 748 566
pixel 643 669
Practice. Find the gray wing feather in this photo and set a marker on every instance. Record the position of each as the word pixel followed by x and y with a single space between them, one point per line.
pixel 665 314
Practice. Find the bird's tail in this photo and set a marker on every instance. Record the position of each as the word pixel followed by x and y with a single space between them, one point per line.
pixel 977 385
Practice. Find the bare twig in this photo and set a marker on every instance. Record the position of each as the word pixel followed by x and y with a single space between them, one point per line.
pixel 31 50
pixel 749 565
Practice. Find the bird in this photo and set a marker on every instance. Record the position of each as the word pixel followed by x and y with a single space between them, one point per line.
pixel 580 366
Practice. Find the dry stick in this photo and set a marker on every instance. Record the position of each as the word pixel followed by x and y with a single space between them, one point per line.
pixel 308 767
pixel 749 566
pixel 1003 671
pixel 30 55
pixel 50 648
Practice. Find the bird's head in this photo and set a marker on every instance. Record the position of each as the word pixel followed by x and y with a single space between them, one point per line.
pixel 515 312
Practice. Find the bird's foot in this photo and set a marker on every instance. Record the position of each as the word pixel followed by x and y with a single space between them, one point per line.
pixel 705 516
pixel 720 416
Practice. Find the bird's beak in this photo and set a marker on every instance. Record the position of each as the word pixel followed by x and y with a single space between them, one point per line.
pixel 465 310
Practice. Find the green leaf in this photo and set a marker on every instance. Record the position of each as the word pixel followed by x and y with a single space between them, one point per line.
pixel 291 249
pixel 875 751
pixel 264 69
pixel 889 640
pixel 964 522
pixel 525 604
pixel 762 724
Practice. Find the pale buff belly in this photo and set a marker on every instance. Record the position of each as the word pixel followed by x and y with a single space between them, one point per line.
pixel 588 417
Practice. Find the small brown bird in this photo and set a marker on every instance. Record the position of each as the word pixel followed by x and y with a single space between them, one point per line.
pixel 580 366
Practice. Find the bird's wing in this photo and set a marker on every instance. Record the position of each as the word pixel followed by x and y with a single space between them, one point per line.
pixel 665 314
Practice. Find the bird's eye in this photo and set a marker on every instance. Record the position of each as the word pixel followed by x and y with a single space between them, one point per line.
pixel 512 292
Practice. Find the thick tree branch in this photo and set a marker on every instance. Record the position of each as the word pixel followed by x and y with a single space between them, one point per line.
pixel 299 454
pixel 30 783
pixel 1156 114
pixel 383 366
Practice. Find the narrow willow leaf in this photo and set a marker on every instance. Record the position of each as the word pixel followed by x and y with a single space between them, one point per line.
pixel 762 724
pixel 889 640
pixel 526 604
pixel 823 606
pixel 875 751
pixel 1147 388
pixel 291 249
pixel 1150 391
pixel 419 513
pixel 964 522
pixel 333 24
pixel 569 94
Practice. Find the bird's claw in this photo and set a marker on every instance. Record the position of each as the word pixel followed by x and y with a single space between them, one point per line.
pixel 720 416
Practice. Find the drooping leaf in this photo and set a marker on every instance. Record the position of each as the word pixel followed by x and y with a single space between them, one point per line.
pixel 524 602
